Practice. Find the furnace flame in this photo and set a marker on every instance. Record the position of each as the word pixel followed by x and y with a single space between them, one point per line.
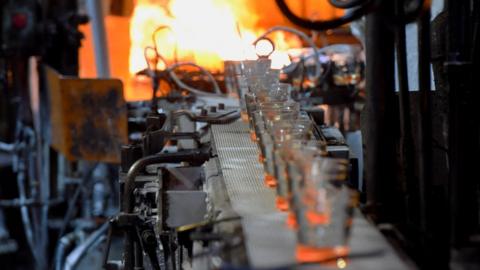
pixel 206 32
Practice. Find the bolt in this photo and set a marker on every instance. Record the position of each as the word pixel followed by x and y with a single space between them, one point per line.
pixel 203 112
pixel 213 109
pixel 221 106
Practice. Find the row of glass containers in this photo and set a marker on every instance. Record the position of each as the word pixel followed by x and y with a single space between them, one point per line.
pixel 309 185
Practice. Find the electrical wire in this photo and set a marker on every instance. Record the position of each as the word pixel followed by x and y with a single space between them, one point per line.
pixel 355 14
pixel 20 169
pixel 170 69
pixel 175 50
pixel 152 72
pixel 153 68
pixel 180 83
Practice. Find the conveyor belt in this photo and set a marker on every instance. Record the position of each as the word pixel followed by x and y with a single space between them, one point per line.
pixel 269 243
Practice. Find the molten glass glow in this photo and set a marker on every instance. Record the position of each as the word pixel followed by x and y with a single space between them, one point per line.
pixel 206 32
pixel 341 263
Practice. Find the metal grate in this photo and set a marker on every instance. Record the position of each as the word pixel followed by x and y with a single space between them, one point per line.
pixel 243 174
pixel 269 243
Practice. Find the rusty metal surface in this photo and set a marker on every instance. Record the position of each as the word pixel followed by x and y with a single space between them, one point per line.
pixel 88 117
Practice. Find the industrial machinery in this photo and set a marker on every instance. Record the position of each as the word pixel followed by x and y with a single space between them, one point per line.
pixel 353 154
pixel 174 203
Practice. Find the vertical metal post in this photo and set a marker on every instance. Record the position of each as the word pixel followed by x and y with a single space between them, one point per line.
pixel 425 150
pixel 406 138
pixel 95 12
pixel 463 127
pixel 381 117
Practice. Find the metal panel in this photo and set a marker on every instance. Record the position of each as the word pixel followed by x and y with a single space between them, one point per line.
pixel 185 207
pixel 88 116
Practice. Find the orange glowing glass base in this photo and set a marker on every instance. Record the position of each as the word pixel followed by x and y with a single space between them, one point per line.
pixel 282 203
pixel 292 221
pixel 317 218
pixel 244 116
pixel 270 181
pixel 308 254
pixel 253 136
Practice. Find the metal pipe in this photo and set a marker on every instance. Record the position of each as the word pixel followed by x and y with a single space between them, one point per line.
pixel 15 203
pixel 95 12
pixel 7 147
pixel 195 155
pixel 41 162
pixel 65 243
pixel 95 238
pixel 27 224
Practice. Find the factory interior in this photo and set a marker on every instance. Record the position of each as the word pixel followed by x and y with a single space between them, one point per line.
pixel 239 134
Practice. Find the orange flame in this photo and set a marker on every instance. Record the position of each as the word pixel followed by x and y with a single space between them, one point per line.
pixel 206 32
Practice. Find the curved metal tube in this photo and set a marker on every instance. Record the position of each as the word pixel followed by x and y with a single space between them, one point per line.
pixel 129 187
pixel 345 4
pixel 139 165
pixel 325 25
pixel 311 43
pixel 7 147
pixel 66 242
pixel 151 70
pixel 79 252
pixel 216 87
pixel 175 51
